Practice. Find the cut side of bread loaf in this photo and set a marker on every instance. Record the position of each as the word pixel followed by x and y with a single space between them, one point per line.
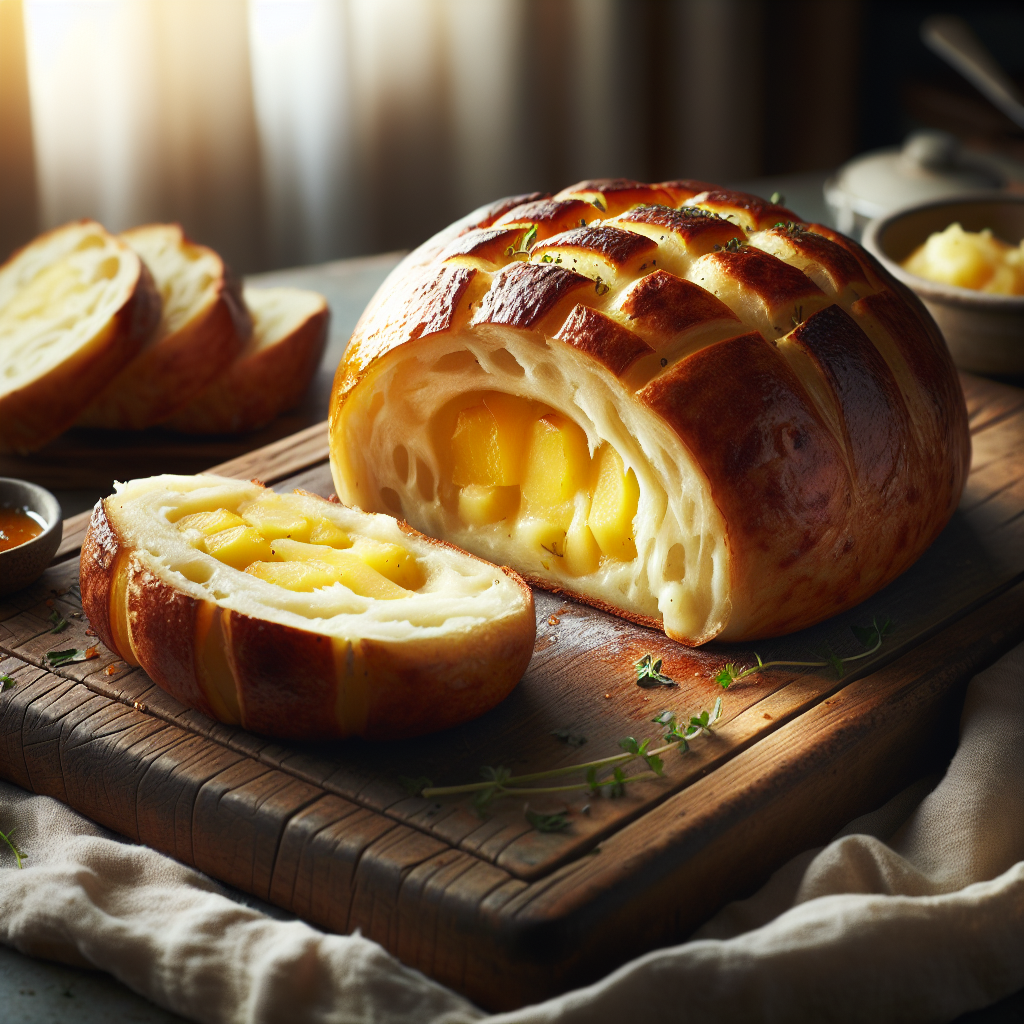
pixel 273 370
pixel 203 328
pixel 76 305
pixel 676 402
pixel 297 617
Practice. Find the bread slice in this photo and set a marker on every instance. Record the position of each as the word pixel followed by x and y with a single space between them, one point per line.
pixel 76 304
pixel 203 328
pixel 297 617
pixel 273 370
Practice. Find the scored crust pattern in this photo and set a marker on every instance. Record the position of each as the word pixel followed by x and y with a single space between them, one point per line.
pixel 790 410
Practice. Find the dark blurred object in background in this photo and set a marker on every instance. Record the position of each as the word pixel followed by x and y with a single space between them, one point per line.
pixel 284 132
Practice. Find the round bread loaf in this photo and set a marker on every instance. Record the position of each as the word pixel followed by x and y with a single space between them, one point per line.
pixel 297 617
pixel 673 401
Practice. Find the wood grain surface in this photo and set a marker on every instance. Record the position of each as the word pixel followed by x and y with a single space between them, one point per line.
pixel 490 906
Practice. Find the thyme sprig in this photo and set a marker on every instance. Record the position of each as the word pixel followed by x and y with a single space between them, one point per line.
pixel 58 622
pixel 19 856
pixel 870 637
pixel 498 782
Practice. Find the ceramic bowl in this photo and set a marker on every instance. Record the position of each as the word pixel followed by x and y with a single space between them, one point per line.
pixel 24 564
pixel 985 333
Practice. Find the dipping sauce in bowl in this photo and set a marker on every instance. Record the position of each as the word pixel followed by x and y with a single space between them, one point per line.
pixel 18 526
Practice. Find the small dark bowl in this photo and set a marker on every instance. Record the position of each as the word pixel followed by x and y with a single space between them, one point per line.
pixel 25 563
pixel 984 332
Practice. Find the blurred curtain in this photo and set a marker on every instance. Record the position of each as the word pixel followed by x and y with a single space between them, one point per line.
pixel 289 131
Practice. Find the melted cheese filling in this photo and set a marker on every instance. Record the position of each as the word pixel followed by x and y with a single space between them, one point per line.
pixel 270 538
pixel 515 462
pixel 542 463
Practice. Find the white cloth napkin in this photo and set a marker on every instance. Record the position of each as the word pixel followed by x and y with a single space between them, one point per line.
pixel 913 913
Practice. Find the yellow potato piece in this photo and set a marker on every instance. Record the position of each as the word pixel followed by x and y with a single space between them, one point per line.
pixel 352 571
pixel 324 531
pixel 273 518
pixel 582 553
pixel 614 506
pixel 298 576
pixel 557 466
pixel 488 442
pixel 239 546
pixel 210 522
pixel 392 561
pixel 480 505
pixel 543 536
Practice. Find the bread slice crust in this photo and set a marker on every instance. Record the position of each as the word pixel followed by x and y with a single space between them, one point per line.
pixel 273 370
pixel 60 346
pixel 791 414
pixel 239 652
pixel 204 326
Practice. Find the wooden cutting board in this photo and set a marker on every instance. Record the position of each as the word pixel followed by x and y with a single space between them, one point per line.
pixel 490 906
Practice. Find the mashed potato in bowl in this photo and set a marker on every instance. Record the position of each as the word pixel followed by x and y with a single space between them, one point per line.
pixel 969 259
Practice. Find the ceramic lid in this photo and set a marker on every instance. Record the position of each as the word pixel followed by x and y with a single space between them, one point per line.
pixel 929 165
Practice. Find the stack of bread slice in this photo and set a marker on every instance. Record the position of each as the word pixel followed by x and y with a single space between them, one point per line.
pixel 145 328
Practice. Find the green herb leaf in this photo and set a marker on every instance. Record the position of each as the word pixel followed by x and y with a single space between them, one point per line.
pixel 72 654
pixel 591 777
pixel 649 674
pixel 529 238
pixel 630 745
pixel 777 199
pixel 716 711
pixel 547 822
pixel 836 662
pixel 574 739
pixel 664 718
pixel 58 622
pixel 655 763
pixel 867 635
pixel 727 675
pixel 415 786
pixel 6 682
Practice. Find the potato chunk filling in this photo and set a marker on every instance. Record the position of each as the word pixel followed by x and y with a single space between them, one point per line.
pixel 529 468
pixel 272 539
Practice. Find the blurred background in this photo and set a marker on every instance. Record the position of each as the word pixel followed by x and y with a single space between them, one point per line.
pixel 286 132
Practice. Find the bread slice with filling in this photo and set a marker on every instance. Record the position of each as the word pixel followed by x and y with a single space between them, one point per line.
pixel 76 305
pixel 297 617
pixel 273 370
pixel 203 328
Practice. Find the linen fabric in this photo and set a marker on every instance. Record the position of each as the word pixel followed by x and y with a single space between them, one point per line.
pixel 913 913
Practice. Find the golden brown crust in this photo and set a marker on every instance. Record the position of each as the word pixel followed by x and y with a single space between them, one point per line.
pixel 255 389
pixel 813 393
pixel 290 682
pixel 600 336
pixel 97 573
pixel 169 373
